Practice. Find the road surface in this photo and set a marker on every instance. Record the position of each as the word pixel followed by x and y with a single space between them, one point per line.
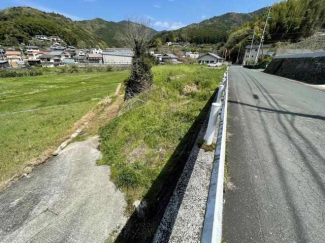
pixel 276 160
pixel 68 199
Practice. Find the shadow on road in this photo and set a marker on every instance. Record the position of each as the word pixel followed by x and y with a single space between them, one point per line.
pixel 289 129
pixel 279 111
pixel 143 229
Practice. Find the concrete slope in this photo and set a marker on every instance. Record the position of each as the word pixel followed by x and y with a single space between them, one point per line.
pixel 68 199
pixel 276 160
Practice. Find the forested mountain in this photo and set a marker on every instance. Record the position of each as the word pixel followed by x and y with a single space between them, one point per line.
pixel 290 21
pixel 19 24
pixel 211 31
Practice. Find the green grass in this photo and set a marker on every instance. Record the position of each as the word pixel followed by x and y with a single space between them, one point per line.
pixel 36 112
pixel 140 142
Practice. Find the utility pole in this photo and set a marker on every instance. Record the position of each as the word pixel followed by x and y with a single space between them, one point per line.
pixel 250 51
pixel 262 38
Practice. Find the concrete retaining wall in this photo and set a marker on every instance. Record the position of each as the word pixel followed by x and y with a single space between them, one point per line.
pixel 305 68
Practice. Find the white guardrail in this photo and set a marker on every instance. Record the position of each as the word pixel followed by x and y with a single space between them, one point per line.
pixel 212 228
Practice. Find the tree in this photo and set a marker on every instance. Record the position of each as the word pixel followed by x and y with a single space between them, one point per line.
pixel 137 35
pixel 158 43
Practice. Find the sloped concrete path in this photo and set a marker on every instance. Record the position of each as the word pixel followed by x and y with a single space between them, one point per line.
pixel 68 199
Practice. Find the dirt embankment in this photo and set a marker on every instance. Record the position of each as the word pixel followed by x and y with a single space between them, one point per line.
pixel 308 69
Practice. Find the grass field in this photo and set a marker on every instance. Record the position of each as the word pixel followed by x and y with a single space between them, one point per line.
pixel 37 112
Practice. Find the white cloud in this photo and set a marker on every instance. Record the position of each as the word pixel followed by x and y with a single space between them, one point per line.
pixel 162 24
pixel 203 17
pixel 169 25
pixel 156 6
pixel 176 25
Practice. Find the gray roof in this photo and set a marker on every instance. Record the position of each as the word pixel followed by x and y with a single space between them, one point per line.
pixel 56 53
pixel 46 56
pixel 31 47
pixel 211 54
pixel 122 54
pixel 169 55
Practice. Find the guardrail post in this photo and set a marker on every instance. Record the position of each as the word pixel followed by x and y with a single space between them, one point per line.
pixel 212 123
pixel 221 88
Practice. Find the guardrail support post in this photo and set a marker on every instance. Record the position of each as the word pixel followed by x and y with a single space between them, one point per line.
pixel 221 88
pixel 212 123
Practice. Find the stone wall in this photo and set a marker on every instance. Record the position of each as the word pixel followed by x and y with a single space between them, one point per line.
pixel 306 68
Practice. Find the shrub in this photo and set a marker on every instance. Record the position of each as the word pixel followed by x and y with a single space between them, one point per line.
pixel 74 69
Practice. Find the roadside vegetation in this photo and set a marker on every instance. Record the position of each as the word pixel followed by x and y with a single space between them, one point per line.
pixel 36 113
pixel 143 138
pixel 37 71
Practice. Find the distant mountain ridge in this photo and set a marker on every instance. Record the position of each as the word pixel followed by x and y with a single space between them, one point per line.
pixel 214 30
pixel 20 24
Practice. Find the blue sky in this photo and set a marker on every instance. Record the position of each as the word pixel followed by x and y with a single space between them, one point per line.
pixel 163 14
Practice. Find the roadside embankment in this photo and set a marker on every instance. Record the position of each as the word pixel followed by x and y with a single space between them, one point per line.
pixel 308 68
pixel 148 144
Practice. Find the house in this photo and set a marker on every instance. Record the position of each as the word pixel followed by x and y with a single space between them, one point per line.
pixel 53 59
pixel 194 55
pixel 69 61
pixel 14 58
pixel 2 54
pixel 81 53
pixel 31 48
pixel 35 62
pixel 117 58
pixel 95 58
pixel 57 47
pixel 33 55
pixel 210 58
pixel 96 51
pixel 42 37
pixel 55 38
pixel 72 50
pixel 65 55
pixel 170 58
pixel 80 59
pixel 251 53
pixel 4 64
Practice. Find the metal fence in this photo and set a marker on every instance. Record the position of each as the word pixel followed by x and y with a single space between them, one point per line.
pixel 212 228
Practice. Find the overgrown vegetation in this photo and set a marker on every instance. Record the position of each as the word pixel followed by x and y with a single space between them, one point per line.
pixel 11 73
pixel 139 143
pixel 20 73
pixel 290 22
pixel 37 112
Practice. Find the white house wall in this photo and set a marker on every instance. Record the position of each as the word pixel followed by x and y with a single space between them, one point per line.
pixel 109 59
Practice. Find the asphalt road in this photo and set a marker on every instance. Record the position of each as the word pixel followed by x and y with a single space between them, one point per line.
pixel 68 199
pixel 276 160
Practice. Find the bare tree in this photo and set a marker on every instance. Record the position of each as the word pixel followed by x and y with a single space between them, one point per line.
pixel 136 34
